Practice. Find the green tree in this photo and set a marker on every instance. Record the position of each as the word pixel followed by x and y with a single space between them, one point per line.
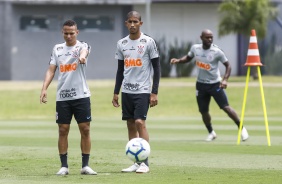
pixel 241 16
pixel 174 50
pixel 178 50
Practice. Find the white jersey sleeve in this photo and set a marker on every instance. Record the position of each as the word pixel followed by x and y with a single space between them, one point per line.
pixel 53 59
pixel 119 55
pixel 191 52
pixel 153 49
pixel 221 56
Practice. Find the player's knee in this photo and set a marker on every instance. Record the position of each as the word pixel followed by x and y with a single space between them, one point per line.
pixel 140 123
pixel 85 130
pixel 204 113
pixel 227 109
pixel 63 131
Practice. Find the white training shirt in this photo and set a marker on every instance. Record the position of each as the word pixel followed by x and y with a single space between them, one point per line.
pixel 138 70
pixel 72 75
pixel 207 62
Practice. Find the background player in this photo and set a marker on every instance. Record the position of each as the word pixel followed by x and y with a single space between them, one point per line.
pixel 209 82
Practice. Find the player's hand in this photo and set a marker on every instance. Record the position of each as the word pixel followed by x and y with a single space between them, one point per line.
pixel 153 100
pixel 82 56
pixel 174 61
pixel 115 101
pixel 82 60
pixel 223 84
pixel 43 97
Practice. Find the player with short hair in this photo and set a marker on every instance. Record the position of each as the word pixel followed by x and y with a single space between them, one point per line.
pixel 138 64
pixel 73 94
pixel 207 57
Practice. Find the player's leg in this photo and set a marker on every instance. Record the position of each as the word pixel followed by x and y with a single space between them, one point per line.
pixel 63 138
pixel 63 148
pixel 203 101
pixel 141 107
pixel 128 114
pixel 143 133
pixel 141 128
pixel 85 140
pixel 135 128
pixel 221 99
pixel 85 144
pixel 63 120
pixel 131 129
pixel 141 104
pixel 82 113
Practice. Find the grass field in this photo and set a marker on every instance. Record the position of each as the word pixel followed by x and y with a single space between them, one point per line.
pixel 28 137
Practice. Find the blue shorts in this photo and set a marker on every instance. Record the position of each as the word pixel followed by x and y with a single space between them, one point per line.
pixel 80 109
pixel 135 106
pixel 206 91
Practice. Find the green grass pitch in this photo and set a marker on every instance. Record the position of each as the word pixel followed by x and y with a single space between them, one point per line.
pixel 179 154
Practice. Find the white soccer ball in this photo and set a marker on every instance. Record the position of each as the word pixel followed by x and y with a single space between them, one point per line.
pixel 137 149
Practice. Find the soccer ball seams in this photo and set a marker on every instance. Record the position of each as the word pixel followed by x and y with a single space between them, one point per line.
pixel 137 149
pixel 137 153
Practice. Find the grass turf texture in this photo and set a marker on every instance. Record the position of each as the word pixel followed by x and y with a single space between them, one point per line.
pixel 28 137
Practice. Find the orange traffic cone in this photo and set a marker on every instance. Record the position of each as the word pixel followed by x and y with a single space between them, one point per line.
pixel 253 58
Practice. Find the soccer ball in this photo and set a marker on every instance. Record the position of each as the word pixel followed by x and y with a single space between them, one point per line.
pixel 137 149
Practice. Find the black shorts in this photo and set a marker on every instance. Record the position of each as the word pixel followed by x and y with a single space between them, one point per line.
pixel 80 108
pixel 135 106
pixel 206 91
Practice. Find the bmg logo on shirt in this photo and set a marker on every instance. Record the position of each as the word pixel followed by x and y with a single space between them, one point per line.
pixel 68 67
pixel 205 66
pixel 131 62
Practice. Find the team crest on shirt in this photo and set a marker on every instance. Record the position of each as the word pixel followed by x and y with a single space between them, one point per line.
pixel 75 53
pixel 210 56
pixel 140 49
